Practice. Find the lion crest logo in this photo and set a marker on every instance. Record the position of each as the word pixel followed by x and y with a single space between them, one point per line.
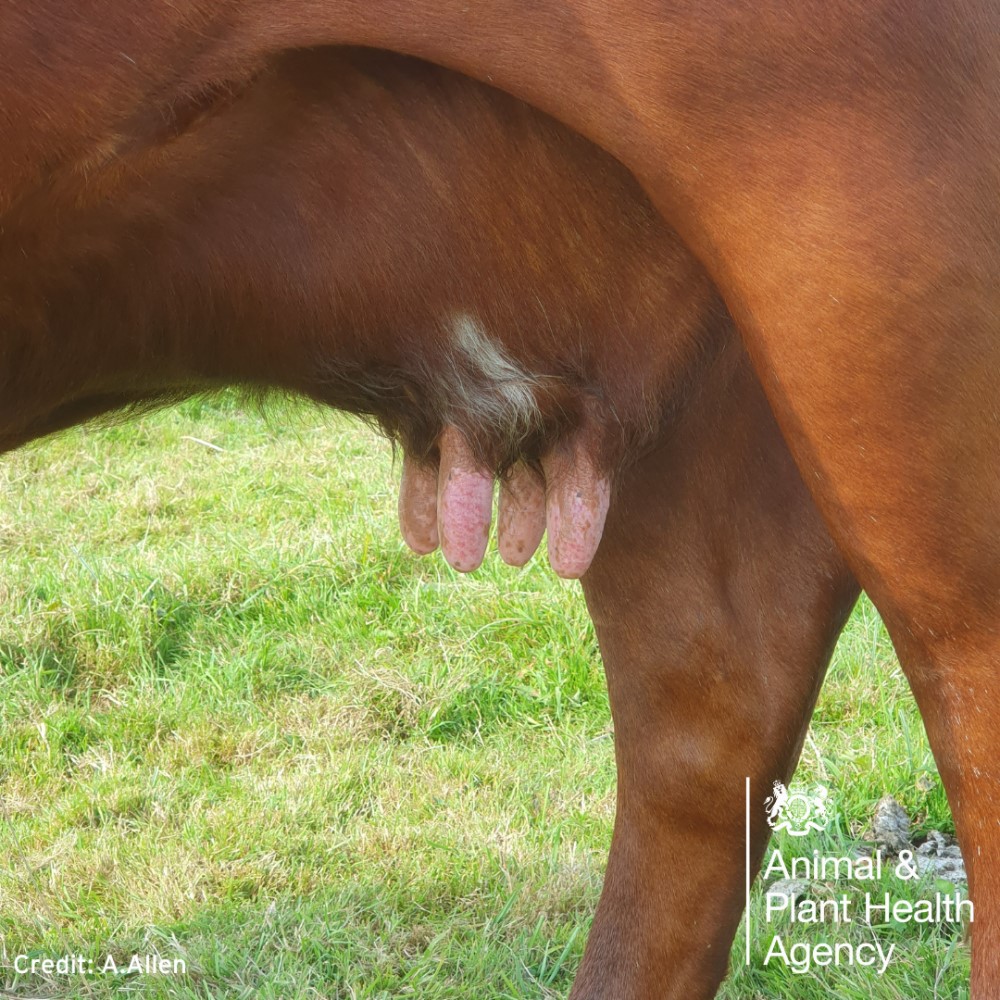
pixel 797 812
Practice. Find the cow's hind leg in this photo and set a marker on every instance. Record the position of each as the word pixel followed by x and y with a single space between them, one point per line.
pixel 717 596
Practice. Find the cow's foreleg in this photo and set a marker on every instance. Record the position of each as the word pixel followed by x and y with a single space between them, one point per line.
pixel 717 597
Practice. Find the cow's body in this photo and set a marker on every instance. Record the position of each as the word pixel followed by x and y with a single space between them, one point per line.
pixel 834 166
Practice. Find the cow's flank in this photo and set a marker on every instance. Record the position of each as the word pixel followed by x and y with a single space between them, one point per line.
pixel 197 193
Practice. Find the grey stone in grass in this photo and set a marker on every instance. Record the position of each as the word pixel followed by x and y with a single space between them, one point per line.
pixel 939 856
pixel 890 825
pixel 792 888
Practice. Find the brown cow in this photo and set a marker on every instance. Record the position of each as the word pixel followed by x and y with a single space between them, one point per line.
pixel 834 167
pixel 393 239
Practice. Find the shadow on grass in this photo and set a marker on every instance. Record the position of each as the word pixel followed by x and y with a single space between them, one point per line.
pixel 359 943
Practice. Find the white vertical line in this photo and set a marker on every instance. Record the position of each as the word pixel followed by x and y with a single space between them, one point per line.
pixel 746 918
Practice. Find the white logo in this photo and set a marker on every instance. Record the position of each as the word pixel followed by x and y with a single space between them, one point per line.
pixel 797 812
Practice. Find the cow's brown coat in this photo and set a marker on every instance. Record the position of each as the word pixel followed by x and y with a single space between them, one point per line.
pixel 833 165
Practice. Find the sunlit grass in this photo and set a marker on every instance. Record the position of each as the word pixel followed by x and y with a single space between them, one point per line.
pixel 242 726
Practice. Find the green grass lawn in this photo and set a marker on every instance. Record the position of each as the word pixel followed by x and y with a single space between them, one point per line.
pixel 240 725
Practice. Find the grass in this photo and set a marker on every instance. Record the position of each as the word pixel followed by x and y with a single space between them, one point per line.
pixel 241 726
